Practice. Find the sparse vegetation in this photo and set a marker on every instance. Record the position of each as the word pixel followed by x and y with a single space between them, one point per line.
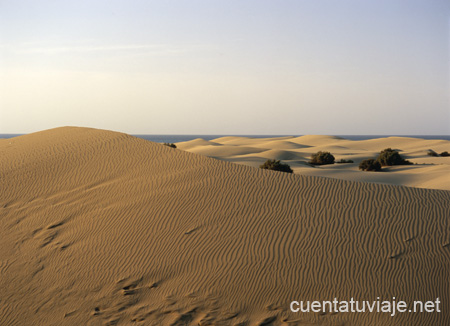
pixel 276 165
pixel 370 165
pixel 322 158
pixel 430 152
pixel 344 161
pixel 172 145
pixel 388 157
pixel 445 154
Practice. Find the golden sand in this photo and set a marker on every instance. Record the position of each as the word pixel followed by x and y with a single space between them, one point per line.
pixel 102 228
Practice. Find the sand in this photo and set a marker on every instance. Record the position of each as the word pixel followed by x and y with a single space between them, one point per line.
pixel 427 172
pixel 102 228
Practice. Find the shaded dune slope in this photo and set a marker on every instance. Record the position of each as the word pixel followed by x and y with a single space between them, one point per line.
pixel 101 228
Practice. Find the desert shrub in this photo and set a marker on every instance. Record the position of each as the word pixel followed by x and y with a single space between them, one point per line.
pixel 370 165
pixel 172 145
pixel 344 161
pixel 322 158
pixel 430 152
pixel 276 165
pixel 445 154
pixel 389 157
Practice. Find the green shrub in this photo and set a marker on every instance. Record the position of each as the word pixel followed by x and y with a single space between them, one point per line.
pixel 276 165
pixel 389 157
pixel 322 158
pixel 370 165
pixel 344 161
pixel 171 145
pixel 445 154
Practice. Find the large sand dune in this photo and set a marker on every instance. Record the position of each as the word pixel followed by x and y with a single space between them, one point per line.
pixel 101 228
pixel 427 172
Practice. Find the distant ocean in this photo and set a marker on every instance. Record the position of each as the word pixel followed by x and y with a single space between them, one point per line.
pixel 180 138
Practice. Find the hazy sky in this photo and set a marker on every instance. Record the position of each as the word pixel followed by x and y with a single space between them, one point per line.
pixel 226 67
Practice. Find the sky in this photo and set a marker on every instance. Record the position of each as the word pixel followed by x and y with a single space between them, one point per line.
pixel 226 67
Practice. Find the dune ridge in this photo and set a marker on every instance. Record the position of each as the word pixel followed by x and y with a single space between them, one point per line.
pixel 102 228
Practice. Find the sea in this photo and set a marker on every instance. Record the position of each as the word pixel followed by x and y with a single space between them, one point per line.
pixel 181 138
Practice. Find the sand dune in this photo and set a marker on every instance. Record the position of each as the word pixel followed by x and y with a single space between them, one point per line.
pixel 317 140
pixel 196 143
pixel 216 149
pixel 279 144
pixel 428 172
pixel 284 155
pixel 235 140
pixel 101 228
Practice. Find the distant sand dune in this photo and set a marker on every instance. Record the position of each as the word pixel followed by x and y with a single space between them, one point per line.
pixel 101 228
pixel 196 143
pixel 317 140
pixel 280 144
pixel 282 155
pixel 428 172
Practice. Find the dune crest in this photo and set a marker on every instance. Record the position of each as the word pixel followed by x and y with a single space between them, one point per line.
pixel 102 228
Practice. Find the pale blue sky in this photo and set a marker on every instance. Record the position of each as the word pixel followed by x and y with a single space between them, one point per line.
pixel 226 67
